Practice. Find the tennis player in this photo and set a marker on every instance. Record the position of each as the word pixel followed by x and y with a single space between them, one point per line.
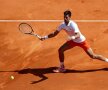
pixel 76 38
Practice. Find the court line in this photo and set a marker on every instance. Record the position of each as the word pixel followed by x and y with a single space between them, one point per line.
pixel 52 20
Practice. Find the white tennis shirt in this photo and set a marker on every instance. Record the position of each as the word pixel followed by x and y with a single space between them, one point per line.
pixel 71 29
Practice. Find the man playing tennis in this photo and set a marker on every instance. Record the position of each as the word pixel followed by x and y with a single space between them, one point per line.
pixel 75 39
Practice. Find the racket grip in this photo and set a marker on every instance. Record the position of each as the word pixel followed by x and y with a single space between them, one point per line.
pixel 38 36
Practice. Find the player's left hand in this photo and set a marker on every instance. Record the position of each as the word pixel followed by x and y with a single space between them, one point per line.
pixel 71 38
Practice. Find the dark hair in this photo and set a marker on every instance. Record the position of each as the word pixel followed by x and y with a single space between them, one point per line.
pixel 67 12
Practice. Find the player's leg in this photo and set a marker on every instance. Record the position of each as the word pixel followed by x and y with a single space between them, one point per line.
pixel 90 52
pixel 66 46
pixel 61 51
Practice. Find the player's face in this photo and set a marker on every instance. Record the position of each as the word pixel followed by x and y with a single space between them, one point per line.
pixel 66 19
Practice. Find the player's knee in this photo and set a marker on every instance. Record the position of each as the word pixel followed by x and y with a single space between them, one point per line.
pixel 60 50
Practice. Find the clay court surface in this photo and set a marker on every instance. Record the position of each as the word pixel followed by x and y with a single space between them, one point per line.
pixel 31 61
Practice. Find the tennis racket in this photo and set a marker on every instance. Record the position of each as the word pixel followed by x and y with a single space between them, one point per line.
pixel 27 29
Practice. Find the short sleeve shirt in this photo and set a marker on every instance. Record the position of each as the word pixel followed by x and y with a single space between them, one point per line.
pixel 71 29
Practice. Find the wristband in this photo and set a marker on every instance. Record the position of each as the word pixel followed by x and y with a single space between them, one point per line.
pixel 46 37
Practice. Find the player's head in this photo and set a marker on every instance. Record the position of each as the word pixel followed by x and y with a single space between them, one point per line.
pixel 67 12
pixel 67 16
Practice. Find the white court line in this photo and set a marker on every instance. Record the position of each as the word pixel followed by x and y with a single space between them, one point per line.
pixel 52 20
pixel 31 20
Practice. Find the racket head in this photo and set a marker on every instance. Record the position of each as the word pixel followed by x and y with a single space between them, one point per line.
pixel 25 28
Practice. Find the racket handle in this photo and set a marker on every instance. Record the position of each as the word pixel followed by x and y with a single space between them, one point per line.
pixel 37 36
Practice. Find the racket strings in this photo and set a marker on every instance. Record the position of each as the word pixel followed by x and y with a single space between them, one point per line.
pixel 25 28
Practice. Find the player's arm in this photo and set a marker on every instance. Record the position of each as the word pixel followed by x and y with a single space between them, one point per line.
pixel 75 36
pixel 76 32
pixel 50 35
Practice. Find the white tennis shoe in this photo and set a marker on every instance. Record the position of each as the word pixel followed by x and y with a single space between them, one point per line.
pixel 60 70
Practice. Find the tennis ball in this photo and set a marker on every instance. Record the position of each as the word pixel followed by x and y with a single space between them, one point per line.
pixel 12 77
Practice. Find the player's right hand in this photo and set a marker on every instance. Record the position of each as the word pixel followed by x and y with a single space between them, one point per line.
pixel 44 38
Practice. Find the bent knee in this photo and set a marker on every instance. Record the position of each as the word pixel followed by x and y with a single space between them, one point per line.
pixel 61 50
